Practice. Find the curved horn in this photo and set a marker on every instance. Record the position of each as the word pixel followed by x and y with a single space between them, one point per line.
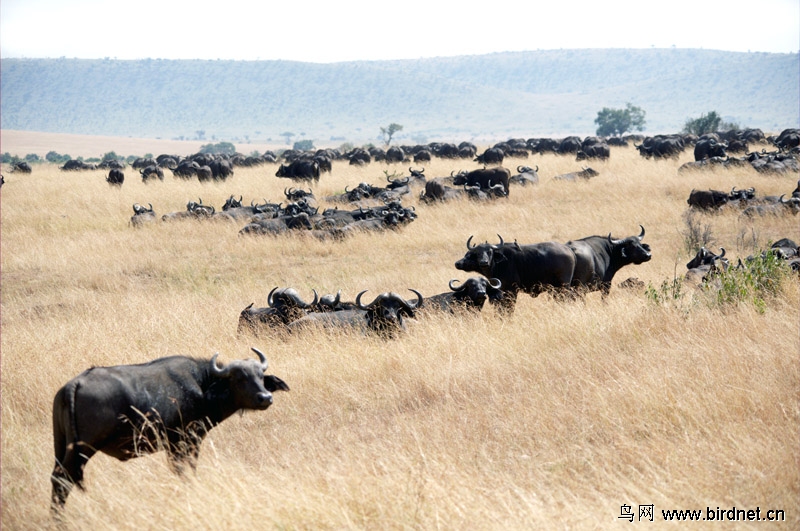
pixel 151 206
pixel 316 298
pixel 454 288
pixel 613 241
pixel 419 299
pixel 537 168
pixel 722 253
pixel 269 297
pixel 368 306
pixel 733 190
pixel 499 244
pixel 262 357
pixel 492 284
pixel 468 246
pixel 216 370
pixel 519 169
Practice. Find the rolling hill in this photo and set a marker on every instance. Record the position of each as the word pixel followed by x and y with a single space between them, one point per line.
pixel 479 98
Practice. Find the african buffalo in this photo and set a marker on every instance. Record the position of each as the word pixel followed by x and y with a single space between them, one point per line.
pixel 471 295
pixel 115 177
pixel 485 178
pixel 142 215
pixel 532 269
pixel 385 315
pixel 284 306
pixel 598 258
pixel 300 169
pixel 169 403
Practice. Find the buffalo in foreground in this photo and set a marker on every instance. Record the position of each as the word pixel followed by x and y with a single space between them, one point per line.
pixel 169 403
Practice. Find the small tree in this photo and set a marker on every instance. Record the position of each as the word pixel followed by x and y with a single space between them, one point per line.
pixel 303 145
pixel 220 148
pixel 388 132
pixel 616 122
pixel 288 136
pixel 708 123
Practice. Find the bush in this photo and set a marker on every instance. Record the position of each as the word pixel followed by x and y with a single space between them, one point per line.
pixel 759 280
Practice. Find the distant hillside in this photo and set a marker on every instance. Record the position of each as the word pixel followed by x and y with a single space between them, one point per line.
pixel 484 97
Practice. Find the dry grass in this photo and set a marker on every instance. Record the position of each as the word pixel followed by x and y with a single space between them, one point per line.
pixel 550 419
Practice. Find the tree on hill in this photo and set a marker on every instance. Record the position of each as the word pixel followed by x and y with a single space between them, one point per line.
pixel 616 122
pixel 388 132
pixel 220 148
pixel 303 145
pixel 710 122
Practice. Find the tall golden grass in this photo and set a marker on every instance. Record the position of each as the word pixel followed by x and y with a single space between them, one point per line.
pixel 552 418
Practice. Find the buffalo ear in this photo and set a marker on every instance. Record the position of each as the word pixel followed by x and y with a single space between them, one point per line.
pixel 499 257
pixel 272 383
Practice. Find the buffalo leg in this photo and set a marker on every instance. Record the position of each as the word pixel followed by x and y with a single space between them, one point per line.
pixel 68 472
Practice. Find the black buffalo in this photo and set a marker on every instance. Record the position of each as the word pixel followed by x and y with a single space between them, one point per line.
pixel 152 172
pixel 385 315
pixel 598 258
pixel 532 269
pixel 170 403
pixel 587 264
pixel 285 306
pixel 708 199
pixel 661 146
pixel 707 148
pixel 300 169
pixel 705 263
pixel 21 167
pixel 484 178
pixel 142 215
pixel 471 295
pixel 526 176
pixel 115 177
pixel 492 155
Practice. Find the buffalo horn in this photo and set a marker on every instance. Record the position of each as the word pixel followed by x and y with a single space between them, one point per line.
pixel 262 357
pixel 495 283
pixel 454 288
pixel 216 370
pixel 361 306
pixel 468 246
pixel 419 299
pixel 269 297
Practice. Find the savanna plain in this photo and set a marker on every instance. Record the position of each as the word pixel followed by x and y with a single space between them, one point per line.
pixel 551 418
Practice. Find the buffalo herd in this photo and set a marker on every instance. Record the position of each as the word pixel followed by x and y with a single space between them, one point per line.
pixel 171 403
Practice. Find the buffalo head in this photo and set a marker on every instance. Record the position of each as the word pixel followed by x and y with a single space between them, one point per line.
pixel 631 249
pixel 479 258
pixel 385 313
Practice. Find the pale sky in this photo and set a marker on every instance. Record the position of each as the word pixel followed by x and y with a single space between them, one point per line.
pixel 331 31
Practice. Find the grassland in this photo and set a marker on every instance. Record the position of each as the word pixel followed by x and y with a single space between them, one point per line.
pixel 552 418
